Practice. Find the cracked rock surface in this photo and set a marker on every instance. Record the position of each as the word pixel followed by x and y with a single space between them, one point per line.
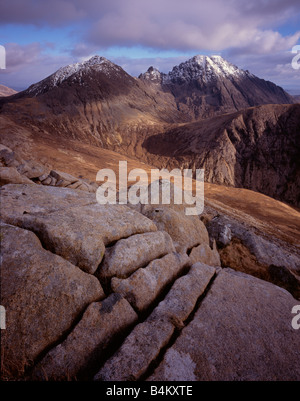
pixel 104 292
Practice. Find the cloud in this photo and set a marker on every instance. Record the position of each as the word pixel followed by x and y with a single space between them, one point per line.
pixel 159 24
pixel 37 12
pixel 26 64
pixel 191 24
pixel 246 32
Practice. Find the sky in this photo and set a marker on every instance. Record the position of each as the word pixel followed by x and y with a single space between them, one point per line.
pixel 40 36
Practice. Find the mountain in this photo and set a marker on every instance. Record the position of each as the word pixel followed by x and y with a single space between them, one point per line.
pixel 95 101
pixel 5 91
pixel 256 148
pixel 144 292
pixel 155 119
pixel 204 86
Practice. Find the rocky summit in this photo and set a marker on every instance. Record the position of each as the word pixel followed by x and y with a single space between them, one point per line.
pixel 144 292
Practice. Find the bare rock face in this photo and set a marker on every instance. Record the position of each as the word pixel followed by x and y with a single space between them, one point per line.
pixel 244 250
pixel 143 286
pixel 77 228
pixel 239 149
pixel 182 297
pixel 161 316
pixel 42 293
pixel 145 342
pixel 186 231
pixel 10 175
pixel 140 348
pixel 134 252
pixel 19 200
pixel 236 334
pixel 203 253
pixel 100 324
pixel 203 86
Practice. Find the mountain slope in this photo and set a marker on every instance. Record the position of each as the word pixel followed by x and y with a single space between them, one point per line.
pixel 257 148
pixel 98 103
pixel 5 91
pixel 204 86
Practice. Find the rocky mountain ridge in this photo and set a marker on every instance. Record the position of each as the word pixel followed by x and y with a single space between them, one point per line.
pixel 98 103
pixel 203 86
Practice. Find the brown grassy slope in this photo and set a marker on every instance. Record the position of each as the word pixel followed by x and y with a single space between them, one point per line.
pixel 273 218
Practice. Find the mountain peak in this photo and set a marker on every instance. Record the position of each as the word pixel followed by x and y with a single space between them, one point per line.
pixel 206 68
pixel 199 67
pixel 153 75
pixel 96 63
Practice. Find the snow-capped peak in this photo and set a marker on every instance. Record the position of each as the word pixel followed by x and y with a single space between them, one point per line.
pixel 97 63
pixel 153 75
pixel 202 67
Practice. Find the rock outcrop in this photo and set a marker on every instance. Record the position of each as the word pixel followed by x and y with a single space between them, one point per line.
pixel 86 344
pixel 238 149
pixel 244 250
pixel 43 295
pixel 236 334
pixel 170 304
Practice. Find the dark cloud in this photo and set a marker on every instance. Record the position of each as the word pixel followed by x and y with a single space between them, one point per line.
pixel 39 12
pixel 159 24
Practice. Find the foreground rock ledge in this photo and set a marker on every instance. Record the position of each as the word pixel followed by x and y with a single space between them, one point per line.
pixel 42 293
pixel 99 325
pixel 242 331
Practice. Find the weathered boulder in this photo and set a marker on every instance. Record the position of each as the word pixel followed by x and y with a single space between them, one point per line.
pixel 220 231
pixel 140 348
pixel 181 299
pixel 186 231
pixel 250 253
pixel 241 331
pixel 61 179
pixel 43 295
pixel 70 223
pixel 147 339
pixel 28 168
pixel 10 175
pixel 203 253
pixel 85 345
pixel 19 200
pixel 8 157
pixel 145 284
pixel 31 169
pixel 265 251
pixel 129 254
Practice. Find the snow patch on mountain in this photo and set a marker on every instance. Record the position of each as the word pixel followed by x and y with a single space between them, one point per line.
pixel 205 68
pixel 198 67
pixel 96 63
pixel 153 75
